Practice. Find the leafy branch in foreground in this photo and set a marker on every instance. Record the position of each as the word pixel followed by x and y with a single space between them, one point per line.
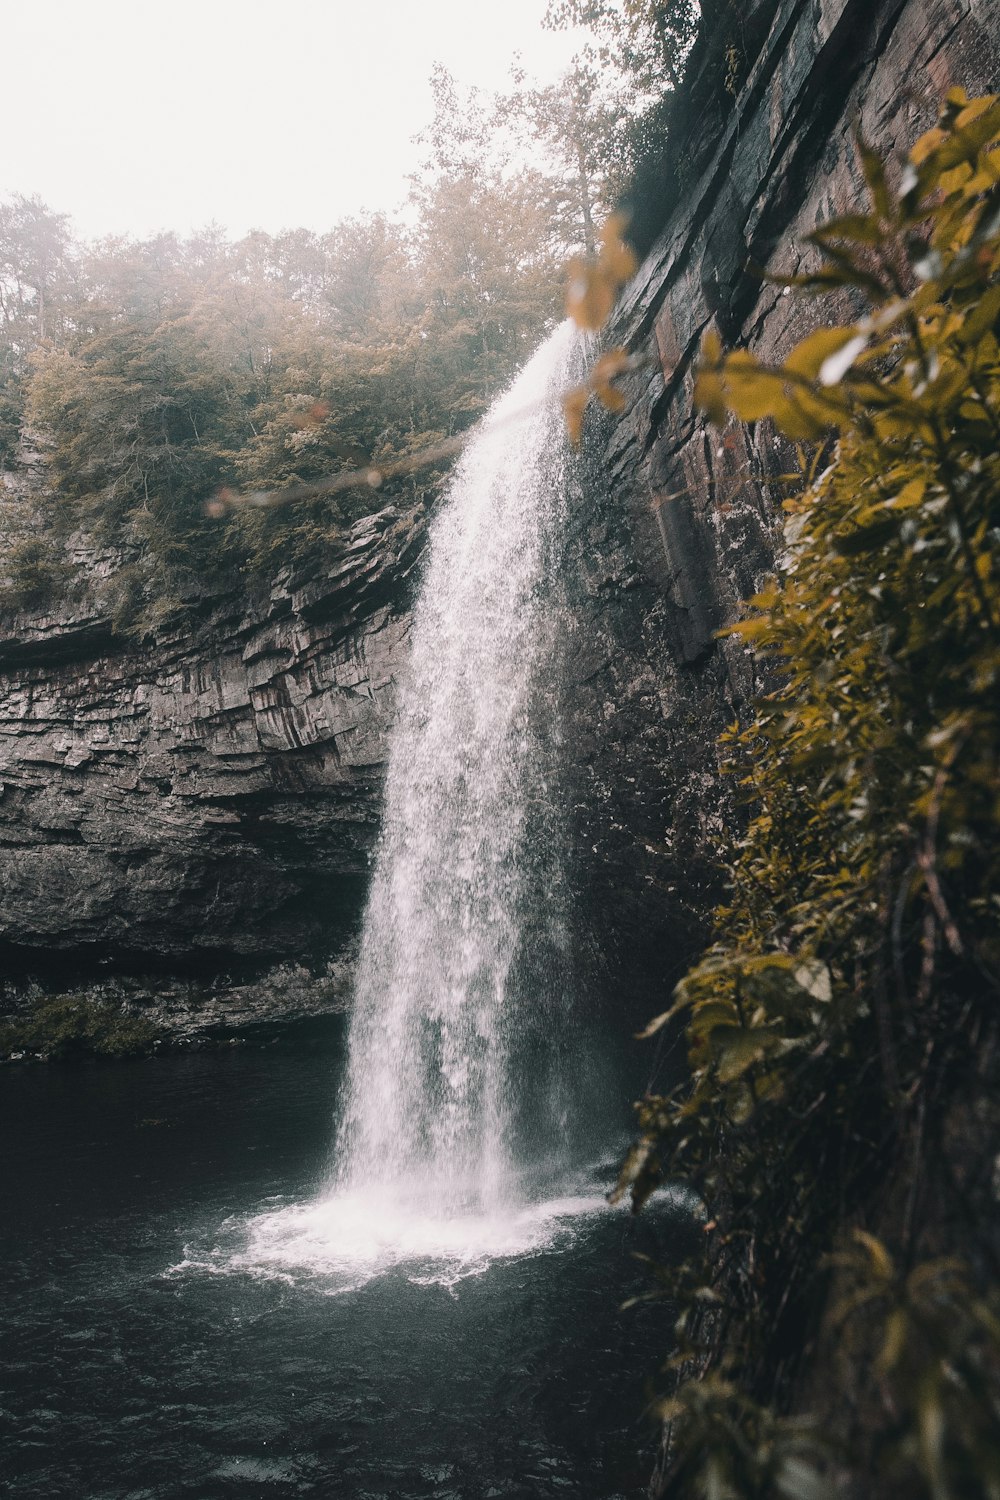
pixel 594 283
pixel 842 1027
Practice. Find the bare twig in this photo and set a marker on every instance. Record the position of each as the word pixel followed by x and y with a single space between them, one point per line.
pixel 226 501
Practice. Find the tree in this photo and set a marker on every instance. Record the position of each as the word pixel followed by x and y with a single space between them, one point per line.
pixel 577 122
pixel 488 251
pixel 369 276
pixel 645 40
pixel 35 272
pixel 159 372
pixel 34 245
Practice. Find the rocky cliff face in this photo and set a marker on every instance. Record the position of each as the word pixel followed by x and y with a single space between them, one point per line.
pixel 207 804
pixel 682 523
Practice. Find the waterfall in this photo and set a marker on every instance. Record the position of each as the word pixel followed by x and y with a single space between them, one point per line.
pixel 455 1143
pixel 452 992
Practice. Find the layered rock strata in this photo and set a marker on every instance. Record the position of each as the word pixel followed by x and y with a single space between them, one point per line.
pixel 207 801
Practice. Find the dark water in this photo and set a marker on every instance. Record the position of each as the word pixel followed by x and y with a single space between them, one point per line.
pixel 122 1381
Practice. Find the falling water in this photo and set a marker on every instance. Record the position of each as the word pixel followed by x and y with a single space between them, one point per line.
pixel 467 880
pixel 452 1149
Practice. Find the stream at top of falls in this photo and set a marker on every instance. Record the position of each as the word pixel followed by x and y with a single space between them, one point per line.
pixel 216 1284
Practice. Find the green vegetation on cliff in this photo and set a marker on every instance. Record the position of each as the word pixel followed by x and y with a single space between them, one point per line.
pixel 67 1027
pixel 839 1117
pixel 151 375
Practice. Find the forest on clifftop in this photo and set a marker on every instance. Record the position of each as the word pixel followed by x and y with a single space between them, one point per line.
pixel 147 376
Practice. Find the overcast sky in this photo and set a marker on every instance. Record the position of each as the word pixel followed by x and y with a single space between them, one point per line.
pixel 139 115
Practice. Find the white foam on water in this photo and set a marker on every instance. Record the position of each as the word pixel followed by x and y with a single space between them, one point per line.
pixel 341 1243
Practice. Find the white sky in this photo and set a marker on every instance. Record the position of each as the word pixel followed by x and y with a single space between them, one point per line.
pixel 139 115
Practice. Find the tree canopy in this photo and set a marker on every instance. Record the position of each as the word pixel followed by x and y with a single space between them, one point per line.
pixel 150 375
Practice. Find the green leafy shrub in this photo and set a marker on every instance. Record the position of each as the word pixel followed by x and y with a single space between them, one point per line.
pixel 63 1027
pixel 35 571
pixel 849 996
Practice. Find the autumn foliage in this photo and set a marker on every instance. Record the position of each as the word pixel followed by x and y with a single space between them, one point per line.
pixel 593 286
pixel 838 1115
